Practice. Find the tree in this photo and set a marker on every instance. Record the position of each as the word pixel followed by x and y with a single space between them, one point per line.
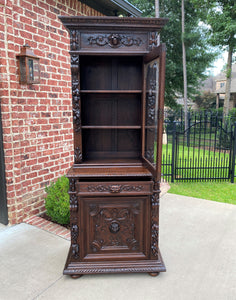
pixel 198 55
pixel 221 19
pixel 184 68
pixel 206 100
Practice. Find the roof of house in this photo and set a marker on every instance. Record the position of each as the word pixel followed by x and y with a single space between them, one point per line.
pixel 222 77
pixel 114 7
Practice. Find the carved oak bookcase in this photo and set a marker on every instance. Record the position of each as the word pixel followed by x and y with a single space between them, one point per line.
pixel 118 74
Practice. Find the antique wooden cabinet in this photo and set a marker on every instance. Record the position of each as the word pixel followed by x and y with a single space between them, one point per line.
pixel 118 74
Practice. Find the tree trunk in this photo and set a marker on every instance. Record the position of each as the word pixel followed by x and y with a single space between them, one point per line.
pixel 228 82
pixel 157 15
pixel 184 69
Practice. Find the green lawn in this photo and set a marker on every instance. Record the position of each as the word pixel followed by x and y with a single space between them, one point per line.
pixel 217 191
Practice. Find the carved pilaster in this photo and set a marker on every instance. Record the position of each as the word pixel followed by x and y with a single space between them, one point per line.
pixel 155 219
pixel 78 155
pixel 76 104
pixel 153 39
pixel 74 40
pixel 74 208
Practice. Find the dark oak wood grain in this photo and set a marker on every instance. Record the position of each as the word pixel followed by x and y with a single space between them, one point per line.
pixel 118 97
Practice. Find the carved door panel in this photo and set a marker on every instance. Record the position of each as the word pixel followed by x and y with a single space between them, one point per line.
pixel 154 81
pixel 114 225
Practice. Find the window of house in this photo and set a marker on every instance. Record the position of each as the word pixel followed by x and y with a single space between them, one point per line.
pixel 222 84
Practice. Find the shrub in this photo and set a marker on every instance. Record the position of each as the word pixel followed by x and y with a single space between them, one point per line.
pixel 57 202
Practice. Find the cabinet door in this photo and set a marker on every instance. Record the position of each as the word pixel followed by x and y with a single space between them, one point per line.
pixel 114 225
pixel 153 107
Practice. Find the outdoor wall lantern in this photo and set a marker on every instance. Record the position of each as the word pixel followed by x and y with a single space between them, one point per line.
pixel 29 66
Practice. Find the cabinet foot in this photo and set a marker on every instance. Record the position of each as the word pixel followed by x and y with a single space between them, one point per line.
pixel 154 274
pixel 76 276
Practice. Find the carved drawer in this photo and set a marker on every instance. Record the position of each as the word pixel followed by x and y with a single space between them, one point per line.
pixel 115 188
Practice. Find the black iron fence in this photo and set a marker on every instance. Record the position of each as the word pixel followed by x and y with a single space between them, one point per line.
pixel 205 151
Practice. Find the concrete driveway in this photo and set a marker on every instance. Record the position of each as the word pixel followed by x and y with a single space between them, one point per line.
pixel 197 241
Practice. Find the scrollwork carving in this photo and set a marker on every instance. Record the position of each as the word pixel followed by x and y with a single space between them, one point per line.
pixel 114 40
pixel 114 188
pixel 114 227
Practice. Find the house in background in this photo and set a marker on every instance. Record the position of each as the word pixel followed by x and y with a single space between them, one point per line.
pixel 36 126
pixel 219 88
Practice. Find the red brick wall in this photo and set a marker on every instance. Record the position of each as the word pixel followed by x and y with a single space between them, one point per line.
pixel 37 119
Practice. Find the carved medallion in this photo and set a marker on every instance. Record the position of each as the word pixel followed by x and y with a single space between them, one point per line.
pixel 114 227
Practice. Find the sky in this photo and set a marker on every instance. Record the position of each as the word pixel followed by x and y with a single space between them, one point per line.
pixel 219 64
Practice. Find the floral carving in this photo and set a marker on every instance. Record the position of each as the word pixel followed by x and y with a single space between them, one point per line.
pixel 114 40
pixel 73 203
pixel 154 219
pixel 72 184
pixel 74 240
pixel 78 155
pixel 114 188
pixel 114 227
pixel 74 40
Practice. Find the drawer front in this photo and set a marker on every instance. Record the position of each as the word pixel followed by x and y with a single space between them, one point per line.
pixel 115 188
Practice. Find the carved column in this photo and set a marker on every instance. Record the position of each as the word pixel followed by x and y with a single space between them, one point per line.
pixel 155 219
pixel 76 104
pixel 74 207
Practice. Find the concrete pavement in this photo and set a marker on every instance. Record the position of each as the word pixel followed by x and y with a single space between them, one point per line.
pixel 197 241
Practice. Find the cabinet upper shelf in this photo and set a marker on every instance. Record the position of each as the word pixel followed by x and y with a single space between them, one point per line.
pixel 111 91
pixel 111 127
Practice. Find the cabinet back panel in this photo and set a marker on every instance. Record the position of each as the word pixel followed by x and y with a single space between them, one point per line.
pixel 119 143
pixel 111 109
pixel 101 73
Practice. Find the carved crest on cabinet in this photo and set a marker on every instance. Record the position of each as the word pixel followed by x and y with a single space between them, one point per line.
pixel 114 227
pixel 114 40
